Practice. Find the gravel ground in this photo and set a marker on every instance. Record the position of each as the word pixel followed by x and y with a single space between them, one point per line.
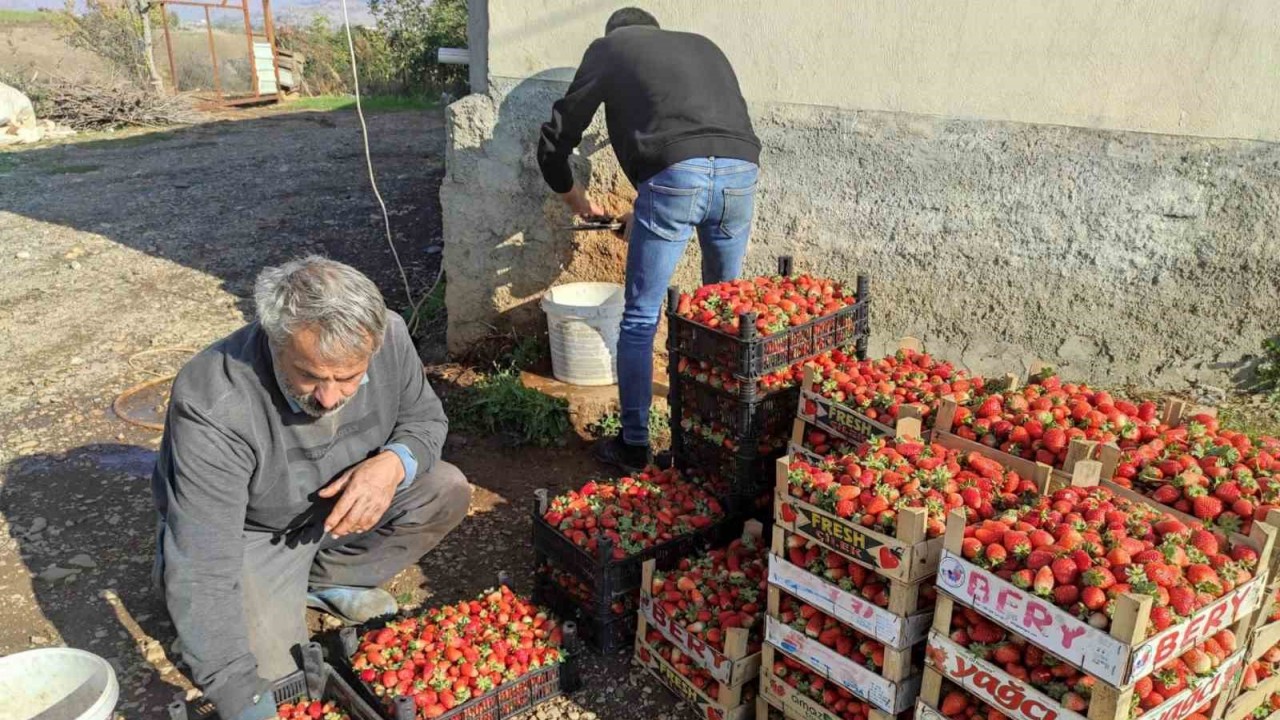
pixel 120 255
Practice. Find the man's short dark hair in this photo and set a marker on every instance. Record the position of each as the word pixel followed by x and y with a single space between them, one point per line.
pixel 627 17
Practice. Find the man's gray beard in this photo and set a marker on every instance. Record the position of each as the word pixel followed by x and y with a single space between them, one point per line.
pixel 306 402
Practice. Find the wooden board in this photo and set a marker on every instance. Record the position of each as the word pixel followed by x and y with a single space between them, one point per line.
pixel 793 703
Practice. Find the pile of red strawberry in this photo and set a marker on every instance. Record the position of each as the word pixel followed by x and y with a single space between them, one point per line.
pixel 1068 685
pixel 634 513
pixel 847 642
pixel 313 710
pixel 717 591
pixel 846 574
pixel 583 593
pixel 1084 547
pixel 449 655
pixel 870 486
pixel 780 302
pixel 722 436
pixel 718 377
pixel 687 667
pixel 1264 667
pixel 1039 421
pixel 1220 476
pixel 835 699
pixel 879 388
pixel 957 704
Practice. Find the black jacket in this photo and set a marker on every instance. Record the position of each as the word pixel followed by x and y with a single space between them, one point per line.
pixel 668 96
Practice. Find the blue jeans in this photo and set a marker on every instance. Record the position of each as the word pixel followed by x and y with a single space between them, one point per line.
pixel 716 196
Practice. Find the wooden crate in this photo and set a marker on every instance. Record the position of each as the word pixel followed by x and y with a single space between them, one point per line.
pixel 728 706
pixel 1243 703
pixel 797 447
pixel 794 704
pixel 1019 700
pixel 1078 451
pixel 1118 658
pixel 838 419
pixel 892 690
pixel 901 625
pixel 908 556
pixel 733 667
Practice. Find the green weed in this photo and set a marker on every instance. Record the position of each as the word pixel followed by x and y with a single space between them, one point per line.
pixel 23 17
pixel 499 404
pixel 610 425
pixel 374 103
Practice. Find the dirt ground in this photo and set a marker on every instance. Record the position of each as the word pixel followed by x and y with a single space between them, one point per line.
pixel 122 254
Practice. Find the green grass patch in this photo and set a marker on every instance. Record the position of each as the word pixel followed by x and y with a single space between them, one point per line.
pixel 23 17
pixel 500 405
pixel 373 103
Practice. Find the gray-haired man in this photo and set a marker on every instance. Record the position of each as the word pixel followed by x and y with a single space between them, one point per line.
pixel 300 467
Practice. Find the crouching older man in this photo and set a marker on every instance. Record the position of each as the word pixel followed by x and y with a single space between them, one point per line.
pixel 300 467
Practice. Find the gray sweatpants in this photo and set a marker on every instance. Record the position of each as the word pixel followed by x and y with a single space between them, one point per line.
pixel 278 569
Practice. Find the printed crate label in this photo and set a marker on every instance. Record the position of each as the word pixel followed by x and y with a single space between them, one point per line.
pixel 849 608
pixel 680 686
pixel 840 419
pixel 716 663
pixel 793 703
pixel 861 681
pixel 1021 701
pixel 863 546
pixel 1075 641
pixel 991 685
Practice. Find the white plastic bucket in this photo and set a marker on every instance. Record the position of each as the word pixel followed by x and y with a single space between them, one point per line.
pixel 583 320
pixel 57 684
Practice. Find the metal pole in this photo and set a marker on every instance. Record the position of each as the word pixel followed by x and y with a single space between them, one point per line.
pixel 271 40
pixel 248 36
pixel 168 46
pixel 213 52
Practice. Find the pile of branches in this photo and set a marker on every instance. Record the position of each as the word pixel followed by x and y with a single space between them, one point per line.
pixel 99 105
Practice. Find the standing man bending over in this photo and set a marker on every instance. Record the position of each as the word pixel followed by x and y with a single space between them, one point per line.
pixel 300 467
pixel 679 126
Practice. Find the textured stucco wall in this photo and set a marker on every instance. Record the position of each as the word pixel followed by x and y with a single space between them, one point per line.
pixel 1121 256
pixel 1191 67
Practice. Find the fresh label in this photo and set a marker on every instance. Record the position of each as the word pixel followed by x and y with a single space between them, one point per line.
pixel 845 538
pixel 847 607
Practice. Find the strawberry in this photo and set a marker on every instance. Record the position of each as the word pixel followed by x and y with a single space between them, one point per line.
pixel 1065 571
pixel 1043 583
pixel 1065 595
pixel 1206 507
pixel 1093 598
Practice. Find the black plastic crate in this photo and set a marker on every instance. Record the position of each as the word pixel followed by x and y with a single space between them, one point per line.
pixel 749 355
pixel 612 577
pixel 316 680
pixel 735 477
pixel 506 700
pixel 598 628
pixel 741 413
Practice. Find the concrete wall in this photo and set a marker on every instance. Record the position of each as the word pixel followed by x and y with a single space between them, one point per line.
pixel 1194 67
pixel 1121 256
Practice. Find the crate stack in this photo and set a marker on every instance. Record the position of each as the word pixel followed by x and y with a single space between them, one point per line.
pixel 1114 662
pixel 718 682
pixel 598 591
pixel 808 540
pixel 1261 680
pixel 735 430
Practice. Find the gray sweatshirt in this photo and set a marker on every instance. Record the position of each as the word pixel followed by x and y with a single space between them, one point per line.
pixel 237 458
